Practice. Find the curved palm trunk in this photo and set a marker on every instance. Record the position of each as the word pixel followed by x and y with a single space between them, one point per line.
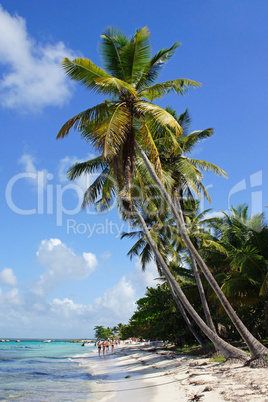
pixel 227 350
pixel 199 283
pixel 201 291
pixel 186 319
pixel 256 348
pixel 128 155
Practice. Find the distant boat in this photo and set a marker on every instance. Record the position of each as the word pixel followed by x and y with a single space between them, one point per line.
pixel 47 341
pixel 17 340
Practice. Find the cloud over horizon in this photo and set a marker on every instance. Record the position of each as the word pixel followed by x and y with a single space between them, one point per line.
pixel 30 307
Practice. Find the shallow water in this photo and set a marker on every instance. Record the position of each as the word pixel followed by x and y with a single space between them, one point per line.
pixel 35 371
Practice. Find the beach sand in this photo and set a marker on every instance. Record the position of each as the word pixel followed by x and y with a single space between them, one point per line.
pixel 140 372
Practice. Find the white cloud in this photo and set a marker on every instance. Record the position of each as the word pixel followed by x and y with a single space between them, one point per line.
pixel 10 299
pixel 30 312
pixel 61 263
pixel 118 301
pixel 68 308
pixel 33 78
pixel 214 214
pixel 7 277
pixel 147 278
pixel 37 177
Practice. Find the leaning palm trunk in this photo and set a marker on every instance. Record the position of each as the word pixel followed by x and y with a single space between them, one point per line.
pixel 257 350
pixel 186 319
pixel 199 284
pixel 183 313
pixel 201 291
pixel 226 349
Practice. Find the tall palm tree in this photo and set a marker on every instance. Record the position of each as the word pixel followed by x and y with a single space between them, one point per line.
pixel 125 123
pixel 258 351
pixel 98 193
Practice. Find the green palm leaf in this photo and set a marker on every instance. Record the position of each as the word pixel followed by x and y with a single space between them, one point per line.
pixel 108 135
pixel 96 114
pixel 193 138
pixel 158 114
pixel 136 56
pixel 86 72
pixel 87 167
pixel 115 85
pixel 264 287
pixel 113 40
pixel 180 86
pixel 207 166
pixel 155 65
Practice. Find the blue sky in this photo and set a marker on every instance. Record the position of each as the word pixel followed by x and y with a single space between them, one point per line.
pixel 63 271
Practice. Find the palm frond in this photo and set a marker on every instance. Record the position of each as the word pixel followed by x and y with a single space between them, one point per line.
pixel 264 287
pixel 158 114
pixel 87 167
pixel 94 190
pixel 109 135
pixel 180 86
pixel 113 40
pixel 85 72
pixel 97 113
pixel 155 65
pixel 136 55
pixel 207 166
pixel 193 138
pixel 130 235
pixel 115 85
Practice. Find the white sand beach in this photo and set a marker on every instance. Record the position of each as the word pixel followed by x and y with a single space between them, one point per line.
pixel 139 372
pixel 144 373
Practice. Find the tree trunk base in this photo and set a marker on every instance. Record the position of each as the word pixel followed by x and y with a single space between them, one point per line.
pixel 257 362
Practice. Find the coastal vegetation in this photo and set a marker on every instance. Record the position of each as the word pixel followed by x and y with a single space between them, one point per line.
pixel 144 163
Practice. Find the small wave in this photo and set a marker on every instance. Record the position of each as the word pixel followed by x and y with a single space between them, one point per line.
pixel 38 373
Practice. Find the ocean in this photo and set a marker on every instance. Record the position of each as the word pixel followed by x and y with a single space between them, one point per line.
pixel 31 370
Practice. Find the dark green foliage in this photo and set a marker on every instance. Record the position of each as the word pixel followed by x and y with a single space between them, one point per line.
pixel 102 333
pixel 157 317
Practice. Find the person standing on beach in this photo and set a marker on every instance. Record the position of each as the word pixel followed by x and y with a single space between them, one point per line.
pixel 99 346
pixel 107 344
pixel 112 345
pixel 103 347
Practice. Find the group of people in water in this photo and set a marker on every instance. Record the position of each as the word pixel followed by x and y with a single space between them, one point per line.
pixel 106 344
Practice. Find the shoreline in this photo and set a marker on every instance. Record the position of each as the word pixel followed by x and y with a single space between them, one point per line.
pixel 147 373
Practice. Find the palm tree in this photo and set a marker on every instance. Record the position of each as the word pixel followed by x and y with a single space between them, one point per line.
pixel 187 177
pixel 240 252
pixel 125 123
pixel 129 80
pixel 160 230
pixel 258 351
pixel 98 193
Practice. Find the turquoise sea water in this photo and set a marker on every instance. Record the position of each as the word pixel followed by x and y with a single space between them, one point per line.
pixel 35 371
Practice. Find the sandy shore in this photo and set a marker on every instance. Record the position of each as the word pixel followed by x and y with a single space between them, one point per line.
pixel 144 373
